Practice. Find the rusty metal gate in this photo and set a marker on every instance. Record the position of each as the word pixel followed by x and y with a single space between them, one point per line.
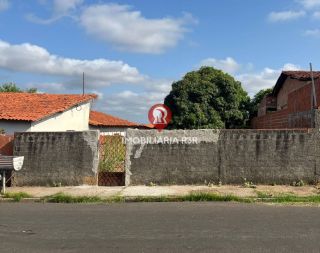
pixel 112 160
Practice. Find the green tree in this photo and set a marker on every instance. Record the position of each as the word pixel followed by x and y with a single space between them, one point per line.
pixel 208 98
pixel 32 90
pixel 253 110
pixel 9 87
pixel 12 87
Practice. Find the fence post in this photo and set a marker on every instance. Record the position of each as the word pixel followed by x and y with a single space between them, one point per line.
pixel 3 182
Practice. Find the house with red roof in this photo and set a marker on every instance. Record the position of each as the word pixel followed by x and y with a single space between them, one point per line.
pixel 290 105
pixel 111 125
pixel 23 112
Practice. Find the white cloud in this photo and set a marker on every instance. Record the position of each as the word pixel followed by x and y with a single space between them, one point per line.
pixel 128 30
pixel 309 4
pixel 98 93
pixel 132 105
pixel 290 66
pixel 4 5
pixel 254 82
pixel 60 9
pixel 51 87
pixel 63 7
pixel 30 58
pixel 316 15
pixel 228 65
pixel 285 15
pixel 312 32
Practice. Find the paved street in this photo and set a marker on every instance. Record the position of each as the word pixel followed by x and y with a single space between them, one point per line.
pixel 158 227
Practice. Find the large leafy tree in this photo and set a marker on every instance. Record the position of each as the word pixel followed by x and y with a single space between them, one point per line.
pixel 257 100
pixel 12 87
pixel 208 98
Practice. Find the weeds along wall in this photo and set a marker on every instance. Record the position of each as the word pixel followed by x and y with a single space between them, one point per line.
pixel 226 156
pixel 57 158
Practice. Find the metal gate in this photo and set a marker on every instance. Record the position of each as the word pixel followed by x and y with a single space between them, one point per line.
pixel 112 160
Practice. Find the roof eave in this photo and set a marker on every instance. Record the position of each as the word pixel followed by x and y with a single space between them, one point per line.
pixel 282 78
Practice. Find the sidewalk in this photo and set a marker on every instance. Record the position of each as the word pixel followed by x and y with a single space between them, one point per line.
pixel 157 191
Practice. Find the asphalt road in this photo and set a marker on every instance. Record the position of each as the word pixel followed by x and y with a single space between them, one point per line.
pixel 158 227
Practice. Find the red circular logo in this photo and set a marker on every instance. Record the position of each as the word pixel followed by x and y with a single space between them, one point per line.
pixel 159 116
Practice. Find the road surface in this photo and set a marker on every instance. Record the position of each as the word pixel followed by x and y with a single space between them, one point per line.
pixel 158 227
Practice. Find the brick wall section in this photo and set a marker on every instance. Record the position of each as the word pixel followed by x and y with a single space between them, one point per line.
pixel 298 114
pixel 6 144
pixel 54 158
pixel 288 86
pixel 264 157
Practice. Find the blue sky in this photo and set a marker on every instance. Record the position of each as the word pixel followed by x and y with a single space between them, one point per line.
pixel 131 51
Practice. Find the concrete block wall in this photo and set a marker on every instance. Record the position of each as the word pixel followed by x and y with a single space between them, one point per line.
pixel 229 156
pixel 54 158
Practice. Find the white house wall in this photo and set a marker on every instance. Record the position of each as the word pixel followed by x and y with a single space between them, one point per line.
pixel 74 119
pixel 12 126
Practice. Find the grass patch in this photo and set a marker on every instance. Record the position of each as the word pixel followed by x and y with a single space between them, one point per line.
pixel 262 197
pixel 64 198
pixel 202 196
pixel 152 199
pixel 292 199
pixel 17 196
pixel 115 199
pixel 192 197
pixel 286 198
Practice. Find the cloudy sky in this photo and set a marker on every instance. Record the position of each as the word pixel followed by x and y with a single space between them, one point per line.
pixel 131 51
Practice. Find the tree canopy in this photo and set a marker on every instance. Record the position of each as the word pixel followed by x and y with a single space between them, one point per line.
pixel 256 101
pixel 12 87
pixel 208 98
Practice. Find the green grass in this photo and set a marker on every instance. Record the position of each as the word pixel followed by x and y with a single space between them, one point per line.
pixel 286 198
pixel 263 195
pixel 192 197
pixel 153 199
pixel 292 199
pixel 17 196
pixel 65 198
pixel 202 196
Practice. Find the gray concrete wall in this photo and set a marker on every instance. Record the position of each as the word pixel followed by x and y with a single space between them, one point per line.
pixel 229 156
pixel 54 158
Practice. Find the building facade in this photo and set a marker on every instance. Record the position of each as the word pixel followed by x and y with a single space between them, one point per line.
pixel 27 112
pixel 290 105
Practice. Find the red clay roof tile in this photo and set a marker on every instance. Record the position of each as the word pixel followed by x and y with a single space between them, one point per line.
pixel 301 75
pixel 106 120
pixel 35 106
